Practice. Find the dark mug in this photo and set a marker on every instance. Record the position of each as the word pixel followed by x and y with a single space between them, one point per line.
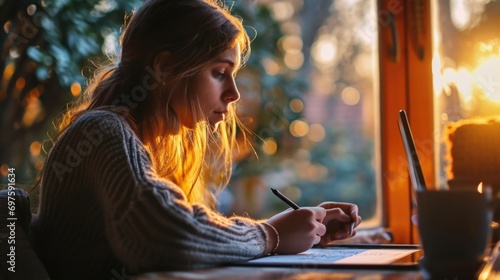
pixel 454 228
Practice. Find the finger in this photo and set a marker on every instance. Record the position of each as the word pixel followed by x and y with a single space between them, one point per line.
pixel 348 208
pixel 319 213
pixel 317 239
pixel 336 214
pixel 354 212
pixel 321 229
pixel 358 221
pixel 341 234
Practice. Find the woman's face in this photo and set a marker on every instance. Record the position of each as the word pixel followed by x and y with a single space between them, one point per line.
pixel 215 89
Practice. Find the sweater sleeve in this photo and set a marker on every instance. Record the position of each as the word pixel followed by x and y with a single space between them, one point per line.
pixel 148 221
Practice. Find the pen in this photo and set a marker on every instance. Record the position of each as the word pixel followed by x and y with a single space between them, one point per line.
pixel 285 199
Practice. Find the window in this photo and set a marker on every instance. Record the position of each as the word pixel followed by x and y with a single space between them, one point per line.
pixel 467 88
pixel 321 141
pixel 438 60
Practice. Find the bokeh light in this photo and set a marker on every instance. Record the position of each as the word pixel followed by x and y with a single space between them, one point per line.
pixel 296 105
pixel 350 96
pixel 299 128
pixel 76 89
pixel 316 133
pixel 270 146
pixel 35 148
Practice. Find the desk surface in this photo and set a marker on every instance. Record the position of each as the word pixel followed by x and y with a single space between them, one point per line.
pixel 490 271
pixel 267 273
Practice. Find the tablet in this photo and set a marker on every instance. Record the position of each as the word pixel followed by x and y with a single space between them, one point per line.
pixel 416 173
pixel 361 256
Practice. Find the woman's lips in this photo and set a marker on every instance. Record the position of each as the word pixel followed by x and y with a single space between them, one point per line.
pixel 220 116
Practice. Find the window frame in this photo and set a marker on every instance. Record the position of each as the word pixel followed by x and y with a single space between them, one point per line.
pixel 405 71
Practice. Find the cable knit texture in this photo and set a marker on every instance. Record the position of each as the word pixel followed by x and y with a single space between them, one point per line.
pixel 104 213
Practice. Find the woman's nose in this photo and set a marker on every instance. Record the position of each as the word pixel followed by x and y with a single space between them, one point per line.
pixel 232 94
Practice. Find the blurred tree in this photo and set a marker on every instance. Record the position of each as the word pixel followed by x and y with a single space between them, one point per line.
pixel 45 46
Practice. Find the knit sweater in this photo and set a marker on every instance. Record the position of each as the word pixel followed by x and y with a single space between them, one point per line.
pixel 104 213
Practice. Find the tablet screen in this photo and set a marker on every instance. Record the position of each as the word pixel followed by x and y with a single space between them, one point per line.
pixel 346 255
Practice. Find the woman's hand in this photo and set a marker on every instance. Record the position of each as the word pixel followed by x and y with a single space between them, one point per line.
pixel 337 221
pixel 299 229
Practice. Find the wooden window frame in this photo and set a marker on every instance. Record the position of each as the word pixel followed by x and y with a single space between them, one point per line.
pixel 405 65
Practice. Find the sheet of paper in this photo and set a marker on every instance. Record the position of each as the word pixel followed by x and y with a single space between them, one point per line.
pixel 339 256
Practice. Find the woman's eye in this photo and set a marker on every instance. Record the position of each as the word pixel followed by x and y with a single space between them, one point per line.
pixel 218 74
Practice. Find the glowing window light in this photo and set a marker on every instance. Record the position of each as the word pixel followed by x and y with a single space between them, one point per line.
pixel 464 83
pixel 460 14
pixel 487 77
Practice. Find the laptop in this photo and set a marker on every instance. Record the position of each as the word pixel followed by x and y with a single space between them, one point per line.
pixel 416 174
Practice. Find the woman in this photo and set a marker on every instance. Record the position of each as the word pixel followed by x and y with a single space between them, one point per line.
pixel 123 187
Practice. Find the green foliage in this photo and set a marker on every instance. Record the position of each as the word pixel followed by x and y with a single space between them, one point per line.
pixel 73 33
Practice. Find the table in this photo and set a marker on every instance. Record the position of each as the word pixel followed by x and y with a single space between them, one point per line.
pixel 490 271
pixel 268 273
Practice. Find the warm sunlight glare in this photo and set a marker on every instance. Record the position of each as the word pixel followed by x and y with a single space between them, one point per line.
pixel 487 76
pixel 485 79
pixel 461 15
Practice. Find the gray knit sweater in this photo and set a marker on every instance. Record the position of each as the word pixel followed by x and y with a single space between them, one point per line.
pixel 105 214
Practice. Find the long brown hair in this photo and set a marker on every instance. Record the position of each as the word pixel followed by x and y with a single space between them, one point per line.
pixel 193 32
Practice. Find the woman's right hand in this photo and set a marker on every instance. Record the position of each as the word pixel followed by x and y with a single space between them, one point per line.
pixel 298 229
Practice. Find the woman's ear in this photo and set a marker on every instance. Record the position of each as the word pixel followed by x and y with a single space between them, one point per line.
pixel 160 65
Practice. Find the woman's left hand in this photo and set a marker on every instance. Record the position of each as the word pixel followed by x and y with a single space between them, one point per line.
pixel 337 221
